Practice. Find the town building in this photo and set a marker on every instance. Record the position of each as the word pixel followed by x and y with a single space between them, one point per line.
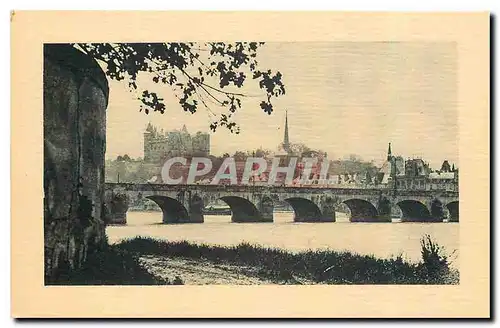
pixel 415 174
pixel 393 166
pixel 159 145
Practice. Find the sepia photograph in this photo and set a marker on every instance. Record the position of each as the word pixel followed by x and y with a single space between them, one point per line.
pixel 266 163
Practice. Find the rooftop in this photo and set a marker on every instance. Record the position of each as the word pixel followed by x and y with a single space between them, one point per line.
pixel 441 175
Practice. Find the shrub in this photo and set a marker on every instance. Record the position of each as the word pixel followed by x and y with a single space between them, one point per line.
pixel 434 266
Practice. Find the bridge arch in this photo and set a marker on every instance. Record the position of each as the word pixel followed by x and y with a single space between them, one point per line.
pixel 304 209
pixel 243 210
pixel 414 211
pixel 173 210
pixel 453 208
pixel 362 210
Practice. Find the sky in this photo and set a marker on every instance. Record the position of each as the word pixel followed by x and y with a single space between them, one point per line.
pixel 342 97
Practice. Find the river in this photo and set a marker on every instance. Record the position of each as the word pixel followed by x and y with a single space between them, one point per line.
pixel 383 240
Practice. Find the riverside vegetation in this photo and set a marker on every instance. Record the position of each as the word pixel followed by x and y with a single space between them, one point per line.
pixel 109 265
pixel 120 264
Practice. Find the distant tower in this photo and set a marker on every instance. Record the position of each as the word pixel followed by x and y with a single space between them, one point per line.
pixel 389 152
pixel 286 139
pixel 148 138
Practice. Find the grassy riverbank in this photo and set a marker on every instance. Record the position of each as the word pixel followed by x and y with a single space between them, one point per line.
pixel 147 261
pixel 319 266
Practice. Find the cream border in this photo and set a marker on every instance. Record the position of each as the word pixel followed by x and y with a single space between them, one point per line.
pixel 31 299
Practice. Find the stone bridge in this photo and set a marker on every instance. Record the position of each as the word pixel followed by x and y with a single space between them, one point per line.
pixel 185 203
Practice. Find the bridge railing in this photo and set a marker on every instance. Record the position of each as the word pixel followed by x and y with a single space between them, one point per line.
pixel 280 189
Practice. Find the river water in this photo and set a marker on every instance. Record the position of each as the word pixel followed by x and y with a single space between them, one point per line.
pixel 383 240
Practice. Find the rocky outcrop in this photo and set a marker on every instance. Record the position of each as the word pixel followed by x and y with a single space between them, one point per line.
pixel 75 97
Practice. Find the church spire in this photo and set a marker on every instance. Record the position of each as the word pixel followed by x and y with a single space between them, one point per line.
pixel 286 140
pixel 389 152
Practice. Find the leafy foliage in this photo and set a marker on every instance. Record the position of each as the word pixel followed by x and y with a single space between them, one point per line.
pixel 350 165
pixel 125 158
pixel 200 74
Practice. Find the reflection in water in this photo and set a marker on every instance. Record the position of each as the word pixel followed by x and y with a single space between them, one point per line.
pixel 380 239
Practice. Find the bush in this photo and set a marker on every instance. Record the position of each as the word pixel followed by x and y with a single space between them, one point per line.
pixel 434 266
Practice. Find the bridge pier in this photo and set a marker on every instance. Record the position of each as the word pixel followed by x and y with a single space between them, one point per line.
pixel 453 208
pixel 116 206
pixel 384 210
pixel 117 218
pixel 327 210
pixel 196 210
pixel 437 211
pixel 266 209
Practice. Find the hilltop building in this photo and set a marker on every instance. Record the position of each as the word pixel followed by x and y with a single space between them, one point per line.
pixel 159 145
